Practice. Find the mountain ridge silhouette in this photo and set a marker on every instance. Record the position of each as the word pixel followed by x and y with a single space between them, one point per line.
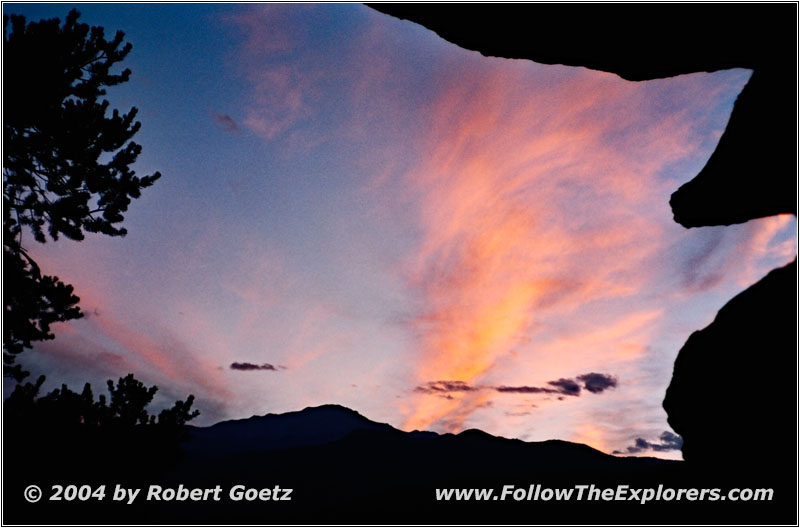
pixel 326 424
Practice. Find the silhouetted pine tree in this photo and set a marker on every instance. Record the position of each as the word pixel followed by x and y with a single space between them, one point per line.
pixel 66 162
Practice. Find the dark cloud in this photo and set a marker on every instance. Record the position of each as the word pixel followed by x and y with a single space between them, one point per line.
pixel 597 383
pixel 444 387
pixel 227 123
pixel 668 441
pixel 592 382
pixel 88 314
pixel 252 366
pixel 566 386
pixel 524 389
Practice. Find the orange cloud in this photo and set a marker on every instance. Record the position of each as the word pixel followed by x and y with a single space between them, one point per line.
pixel 593 435
pixel 121 339
pixel 166 357
pixel 539 199
pixel 760 242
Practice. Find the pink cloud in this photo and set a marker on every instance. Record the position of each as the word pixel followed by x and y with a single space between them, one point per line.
pixel 280 97
pixel 270 30
pixel 282 69
pixel 535 198
pixel 167 356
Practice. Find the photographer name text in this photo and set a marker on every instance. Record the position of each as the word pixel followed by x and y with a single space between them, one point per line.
pixel 154 492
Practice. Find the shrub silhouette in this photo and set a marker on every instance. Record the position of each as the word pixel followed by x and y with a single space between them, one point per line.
pixel 64 428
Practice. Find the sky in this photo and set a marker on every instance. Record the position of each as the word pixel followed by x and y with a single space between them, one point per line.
pixel 355 211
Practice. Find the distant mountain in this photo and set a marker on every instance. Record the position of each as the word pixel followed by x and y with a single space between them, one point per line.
pixel 310 427
pixel 341 428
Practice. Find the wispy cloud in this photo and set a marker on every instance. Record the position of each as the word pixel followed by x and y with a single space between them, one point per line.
pixel 227 123
pixel 540 200
pixel 272 59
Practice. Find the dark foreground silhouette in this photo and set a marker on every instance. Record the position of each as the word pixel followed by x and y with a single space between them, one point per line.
pixel 734 372
pixel 344 468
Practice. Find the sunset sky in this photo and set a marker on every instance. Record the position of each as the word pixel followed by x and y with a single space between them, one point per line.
pixel 377 218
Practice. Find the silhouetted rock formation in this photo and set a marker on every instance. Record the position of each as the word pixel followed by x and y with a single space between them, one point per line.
pixel 752 173
pixel 636 42
pixel 733 390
